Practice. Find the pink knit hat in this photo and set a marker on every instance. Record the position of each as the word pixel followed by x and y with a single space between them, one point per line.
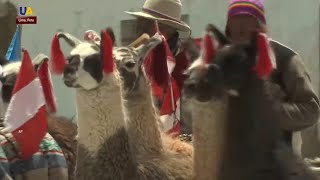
pixel 253 8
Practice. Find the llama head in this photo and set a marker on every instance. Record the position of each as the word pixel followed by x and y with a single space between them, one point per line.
pixel 193 46
pixel 226 75
pixel 85 66
pixel 129 62
pixel 9 75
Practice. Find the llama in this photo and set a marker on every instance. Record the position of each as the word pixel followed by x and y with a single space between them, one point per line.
pixel 143 127
pixel 193 47
pixel 101 130
pixel 62 130
pixel 208 133
pixel 252 147
pixel 208 128
pixel 103 145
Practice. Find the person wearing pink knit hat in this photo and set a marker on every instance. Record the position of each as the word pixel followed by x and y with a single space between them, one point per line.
pixel 245 16
pixel 299 109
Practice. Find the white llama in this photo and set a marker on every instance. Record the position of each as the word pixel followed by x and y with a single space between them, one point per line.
pixel 208 127
pixel 103 145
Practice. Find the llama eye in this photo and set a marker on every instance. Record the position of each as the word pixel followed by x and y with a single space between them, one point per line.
pixel 130 64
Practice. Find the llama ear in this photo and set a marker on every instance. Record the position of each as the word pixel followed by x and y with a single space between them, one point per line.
pixel 38 60
pixel 211 42
pixel 151 43
pixel 220 37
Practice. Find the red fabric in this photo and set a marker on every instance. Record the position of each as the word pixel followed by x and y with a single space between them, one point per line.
pixel 264 64
pixel 157 90
pixel 178 78
pixel 158 71
pixel 30 134
pixel 156 67
pixel 175 131
pixel 57 59
pixel 107 56
pixel 26 73
pixel 182 63
pixel 47 87
pixel 166 107
pixel 209 49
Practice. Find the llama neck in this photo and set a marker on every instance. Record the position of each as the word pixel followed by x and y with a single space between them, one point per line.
pixel 208 133
pixel 102 138
pixel 142 120
pixel 252 133
pixel 99 113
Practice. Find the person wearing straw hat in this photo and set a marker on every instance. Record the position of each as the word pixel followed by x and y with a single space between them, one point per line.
pixel 299 109
pixel 167 14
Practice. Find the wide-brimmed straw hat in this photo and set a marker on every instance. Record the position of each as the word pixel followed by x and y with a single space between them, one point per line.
pixel 164 11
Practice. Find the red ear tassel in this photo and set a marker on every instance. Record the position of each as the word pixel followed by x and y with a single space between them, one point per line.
pixel 156 65
pixel 209 49
pixel 57 60
pixel 106 52
pixel 45 79
pixel 264 65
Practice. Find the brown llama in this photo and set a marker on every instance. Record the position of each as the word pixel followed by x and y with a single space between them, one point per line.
pixel 252 145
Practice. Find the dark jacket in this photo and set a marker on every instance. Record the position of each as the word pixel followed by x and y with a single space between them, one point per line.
pixel 300 107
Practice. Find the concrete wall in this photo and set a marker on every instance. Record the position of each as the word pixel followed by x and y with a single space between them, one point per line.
pixel 292 22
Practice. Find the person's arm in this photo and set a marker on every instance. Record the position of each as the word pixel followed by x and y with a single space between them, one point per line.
pixel 301 107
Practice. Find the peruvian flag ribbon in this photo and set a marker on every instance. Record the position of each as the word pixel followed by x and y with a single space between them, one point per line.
pixel 171 62
pixel 170 109
pixel 46 82
pixel 26 114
